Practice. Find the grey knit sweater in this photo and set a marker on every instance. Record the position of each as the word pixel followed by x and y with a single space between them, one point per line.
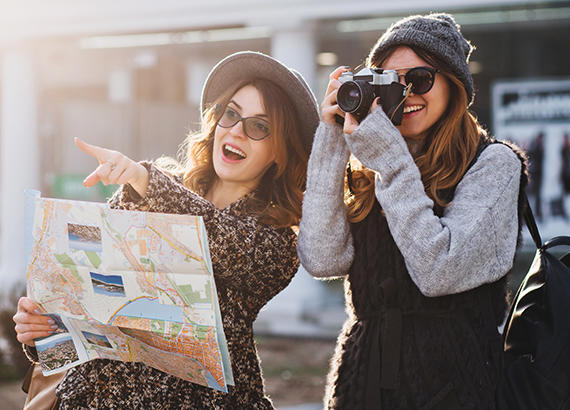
pixel 473 243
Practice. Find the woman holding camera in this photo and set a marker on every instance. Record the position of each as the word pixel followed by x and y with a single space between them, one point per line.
pixel 424 230
pixel 245 174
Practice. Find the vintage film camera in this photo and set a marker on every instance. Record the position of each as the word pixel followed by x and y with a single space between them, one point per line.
pixel 358 91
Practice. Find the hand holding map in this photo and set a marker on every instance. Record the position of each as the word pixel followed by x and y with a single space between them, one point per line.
pixel 30 323
pixel 126 285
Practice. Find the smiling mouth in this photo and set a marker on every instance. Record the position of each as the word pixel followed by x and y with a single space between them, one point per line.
pixel 412 108
pixel 233 152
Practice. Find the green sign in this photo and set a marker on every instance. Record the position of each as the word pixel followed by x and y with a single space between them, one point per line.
pixel 70 186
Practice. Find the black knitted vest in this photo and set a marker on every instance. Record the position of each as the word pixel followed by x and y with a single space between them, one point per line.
pixel 402 350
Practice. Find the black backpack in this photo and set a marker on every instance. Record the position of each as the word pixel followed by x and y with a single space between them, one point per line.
pixel 536 371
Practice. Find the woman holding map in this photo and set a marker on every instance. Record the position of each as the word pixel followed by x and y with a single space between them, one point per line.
pixel 244 173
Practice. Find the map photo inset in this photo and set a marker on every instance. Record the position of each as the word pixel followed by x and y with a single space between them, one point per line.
pixel 97 339
pixel 56 351
pixel 84 237
pixel 108 285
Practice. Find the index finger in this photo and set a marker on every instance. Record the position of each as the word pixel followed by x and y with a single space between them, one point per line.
pixel 100 153
pixel 27 305
pixel 338 71
pixel 334 83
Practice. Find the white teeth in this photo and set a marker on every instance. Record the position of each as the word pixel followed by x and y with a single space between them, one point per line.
pixel 235 150
pixel 412 108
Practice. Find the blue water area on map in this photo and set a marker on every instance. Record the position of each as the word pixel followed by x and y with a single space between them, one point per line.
pixel 212 382
pixel 151 309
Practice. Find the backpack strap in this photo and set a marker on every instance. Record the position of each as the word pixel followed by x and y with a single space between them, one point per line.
pixel 531 223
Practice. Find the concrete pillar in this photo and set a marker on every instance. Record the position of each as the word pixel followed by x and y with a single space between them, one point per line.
pixel 295 45
pixel 19 165
pixel 120 87
pixel 306 307
pixel 196 74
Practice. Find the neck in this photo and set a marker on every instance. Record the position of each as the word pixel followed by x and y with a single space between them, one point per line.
pixel 415 146
pixel 222 193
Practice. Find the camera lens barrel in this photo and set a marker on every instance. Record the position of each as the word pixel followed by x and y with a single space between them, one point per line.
pixel 355 97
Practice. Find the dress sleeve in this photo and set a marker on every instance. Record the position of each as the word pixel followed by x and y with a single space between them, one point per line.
pixel 325 242
pixel 255 260
pixel 165 193
pixel 474 242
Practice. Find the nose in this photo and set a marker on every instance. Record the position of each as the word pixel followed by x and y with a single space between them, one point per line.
pixel 237 130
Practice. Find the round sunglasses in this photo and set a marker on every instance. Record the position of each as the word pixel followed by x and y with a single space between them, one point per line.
pixel 254 127
pixel 421 78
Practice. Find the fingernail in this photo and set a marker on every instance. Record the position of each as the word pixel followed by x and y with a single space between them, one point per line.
pixel 51 321
pixel 54 326
pixel 37 312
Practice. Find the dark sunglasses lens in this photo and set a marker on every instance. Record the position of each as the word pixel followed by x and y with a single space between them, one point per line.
pixel 256 129
pixel 421 79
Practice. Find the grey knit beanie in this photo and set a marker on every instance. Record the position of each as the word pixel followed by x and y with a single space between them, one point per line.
pixel 439 35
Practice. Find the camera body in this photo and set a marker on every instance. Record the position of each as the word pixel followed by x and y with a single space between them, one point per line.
pixel 358 91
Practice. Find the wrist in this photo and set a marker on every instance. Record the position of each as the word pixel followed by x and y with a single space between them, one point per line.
pixel 140 185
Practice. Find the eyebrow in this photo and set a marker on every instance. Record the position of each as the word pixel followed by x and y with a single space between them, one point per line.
pixel 239 107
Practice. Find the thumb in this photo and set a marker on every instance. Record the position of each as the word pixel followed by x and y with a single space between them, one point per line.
pixel 375 104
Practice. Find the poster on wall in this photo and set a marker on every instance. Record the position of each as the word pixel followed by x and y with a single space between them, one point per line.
pixel 535 114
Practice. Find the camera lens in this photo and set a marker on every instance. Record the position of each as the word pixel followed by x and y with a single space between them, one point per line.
pixel 349 96
pixel 355 97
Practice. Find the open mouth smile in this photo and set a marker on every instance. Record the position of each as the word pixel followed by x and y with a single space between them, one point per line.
pixel 233 153
pixel 412 108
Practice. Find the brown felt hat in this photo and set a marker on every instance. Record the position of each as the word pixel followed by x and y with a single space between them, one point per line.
pixel 249 65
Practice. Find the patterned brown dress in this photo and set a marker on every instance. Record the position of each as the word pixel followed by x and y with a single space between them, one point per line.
pixel 252 263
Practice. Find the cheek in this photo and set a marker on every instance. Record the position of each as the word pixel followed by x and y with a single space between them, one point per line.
pixel 217 139
pixel 264 152
pixel 443 91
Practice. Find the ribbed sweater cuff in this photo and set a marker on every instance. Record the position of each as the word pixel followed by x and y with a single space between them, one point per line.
pixel 329 156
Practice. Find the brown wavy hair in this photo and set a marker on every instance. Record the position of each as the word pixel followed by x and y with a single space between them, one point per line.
pixel 278 197
pixel 450 146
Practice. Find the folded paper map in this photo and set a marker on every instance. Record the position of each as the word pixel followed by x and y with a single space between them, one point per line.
pixel 125 285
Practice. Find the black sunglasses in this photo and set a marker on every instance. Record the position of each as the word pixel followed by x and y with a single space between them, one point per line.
pixel 421 78
pixel 254 127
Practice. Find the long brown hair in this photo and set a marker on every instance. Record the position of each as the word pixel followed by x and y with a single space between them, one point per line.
pixel 450 146
pixel 278 198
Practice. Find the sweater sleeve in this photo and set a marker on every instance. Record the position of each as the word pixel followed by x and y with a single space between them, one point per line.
pixel 246 255
pixel 165 193
pixel 474 242
pixel 325 244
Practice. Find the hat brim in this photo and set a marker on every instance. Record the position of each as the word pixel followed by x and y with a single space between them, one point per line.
pixel 249 65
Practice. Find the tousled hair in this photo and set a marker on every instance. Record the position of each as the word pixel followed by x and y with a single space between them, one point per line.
pixel 450 146
pixel 278 197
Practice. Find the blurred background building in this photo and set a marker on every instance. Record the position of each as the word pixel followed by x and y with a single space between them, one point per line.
pixel 128 74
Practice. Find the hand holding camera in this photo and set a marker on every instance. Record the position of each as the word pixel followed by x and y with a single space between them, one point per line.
pixel 358 91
